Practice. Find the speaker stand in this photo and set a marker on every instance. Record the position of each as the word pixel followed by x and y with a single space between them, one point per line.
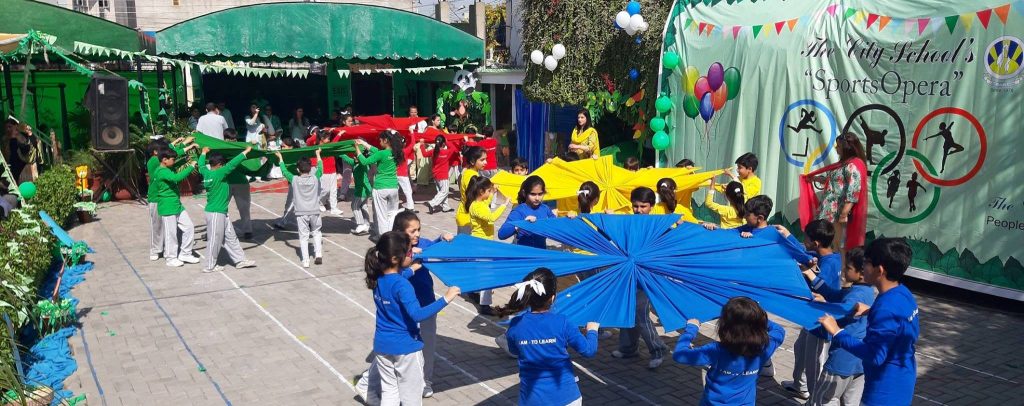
pixel 111 181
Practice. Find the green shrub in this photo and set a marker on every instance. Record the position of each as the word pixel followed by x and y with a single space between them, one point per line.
pixel 56 193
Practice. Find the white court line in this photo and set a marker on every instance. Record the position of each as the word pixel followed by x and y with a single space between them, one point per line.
pixel 372 314
pixel 292 335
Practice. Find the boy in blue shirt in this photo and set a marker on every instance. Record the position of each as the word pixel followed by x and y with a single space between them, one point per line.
pixel 842 380
pixel 825 279
pixel 888 347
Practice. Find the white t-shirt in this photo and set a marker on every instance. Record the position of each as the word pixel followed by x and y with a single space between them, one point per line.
pixel 212 124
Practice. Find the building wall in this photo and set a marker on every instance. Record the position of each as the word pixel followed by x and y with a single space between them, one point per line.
pixel 155 15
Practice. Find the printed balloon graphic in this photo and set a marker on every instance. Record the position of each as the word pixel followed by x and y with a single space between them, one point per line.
pixel 716 75
pixel 719 97
pixel 691 79
pixel 702 87
pixel 691 106
pixel 706 109
pixel 732 80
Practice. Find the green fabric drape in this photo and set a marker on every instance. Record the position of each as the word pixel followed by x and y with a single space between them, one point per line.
pixel 254 164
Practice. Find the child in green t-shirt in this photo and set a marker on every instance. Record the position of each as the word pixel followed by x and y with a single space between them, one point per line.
pixel 156 236
pixel 361 195
pixel 175 218
pixel 219 230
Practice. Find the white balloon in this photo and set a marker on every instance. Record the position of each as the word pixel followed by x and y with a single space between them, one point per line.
pixel 537 57
pixel 558 51
pixel 622 19
pixel 550 62
pixel 644 27
pixel 630 30
pixel 635 21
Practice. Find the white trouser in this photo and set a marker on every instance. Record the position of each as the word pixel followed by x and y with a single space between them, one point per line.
pixel 401 379
pixel 359 210
pixel 172 224
pixel 809 356
pixel 369 382
pixel 156 234
pixel 329 190
pixel 385 207
pixel 406 187
pixel 219 231
pixel 309 225
pixel 441 198
pixel 243 202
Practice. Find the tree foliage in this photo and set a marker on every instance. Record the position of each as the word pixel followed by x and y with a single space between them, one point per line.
pixel 599 56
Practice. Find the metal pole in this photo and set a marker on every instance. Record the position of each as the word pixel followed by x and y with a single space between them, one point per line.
pixel 35 98
pixel 9 86
pixel 138 77
pixel 174 89
pixel 65 127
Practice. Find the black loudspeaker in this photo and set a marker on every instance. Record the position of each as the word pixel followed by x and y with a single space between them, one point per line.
pixel 107 100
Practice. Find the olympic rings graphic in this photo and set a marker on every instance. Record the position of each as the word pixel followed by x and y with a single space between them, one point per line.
pixel 882 208
pixel 981 156
pixel 833 126
pixel 899 124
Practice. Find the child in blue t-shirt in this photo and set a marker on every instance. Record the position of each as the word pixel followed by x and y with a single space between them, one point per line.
pixel 842 379
pixel 748 340
pixel 888 347
pixel 531 208
pixel 540 339
pixel 825 280
pixel 397 343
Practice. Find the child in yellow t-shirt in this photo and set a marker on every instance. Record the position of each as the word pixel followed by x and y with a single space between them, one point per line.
pixel 746 164
pixel 478 194
pixel 667 194
pixel 475 160
pixel 731 214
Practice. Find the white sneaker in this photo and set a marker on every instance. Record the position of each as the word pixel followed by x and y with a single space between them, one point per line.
pixel 175 262
pixel 217 268
pixel 188 259
pixel 246 264
pixel 655 363
pixel 767 370
pixel 337 212
pixel 361 229
pixel 305 263
pixel 427 390
pixel 322 209
pixel 154 257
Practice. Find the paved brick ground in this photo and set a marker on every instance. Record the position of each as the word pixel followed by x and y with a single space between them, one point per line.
pixel 282 335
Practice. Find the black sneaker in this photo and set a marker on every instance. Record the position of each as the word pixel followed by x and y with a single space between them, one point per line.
pixel 319 261
pixel 247 236
pixel 486 310
pixel 277 226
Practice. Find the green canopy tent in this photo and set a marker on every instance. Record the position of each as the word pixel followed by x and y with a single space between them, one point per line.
pixel 21 16
pixel 317 32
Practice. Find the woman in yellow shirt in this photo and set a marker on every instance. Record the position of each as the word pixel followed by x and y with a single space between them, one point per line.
pixel 482 219
pixel 667 194
pixel 584 143
pixel 475 160
pixel 732 214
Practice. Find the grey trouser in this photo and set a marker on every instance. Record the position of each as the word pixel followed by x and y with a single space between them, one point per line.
pixel 171 226
pixel 288 218
pixel 243 202
pixel 310 225
pixel 359 210
pixel 628 337
pixel 831 389
pixel 346 178
pixel 809 356
pixel 369 382
pixel 401 379
pixel 156 235
pixel 406 187
pixel 219 231
pixel 385 207
pixel 441 198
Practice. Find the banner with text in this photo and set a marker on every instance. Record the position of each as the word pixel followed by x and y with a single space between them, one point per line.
pixel 932 91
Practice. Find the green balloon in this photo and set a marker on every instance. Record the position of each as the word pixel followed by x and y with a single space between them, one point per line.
pixel 27 189
pixel 732 82
pixel 657 124
pixel 660 140
pixel 690 106
pixel 670 60
pixel 105 197
pixel 663 104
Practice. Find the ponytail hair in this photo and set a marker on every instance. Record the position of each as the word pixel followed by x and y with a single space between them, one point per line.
pixel 477 185
pixel 734 193
pixel 667 192
pixel 587 196
pixel 534 292
pixel 531 182
pixel 397 144
pixel 439 142
pixel 391 246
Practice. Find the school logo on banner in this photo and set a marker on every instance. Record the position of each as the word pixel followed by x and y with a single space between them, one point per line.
pixel 1003 60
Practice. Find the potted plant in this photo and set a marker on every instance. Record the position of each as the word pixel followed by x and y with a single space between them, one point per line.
pixel 85 207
